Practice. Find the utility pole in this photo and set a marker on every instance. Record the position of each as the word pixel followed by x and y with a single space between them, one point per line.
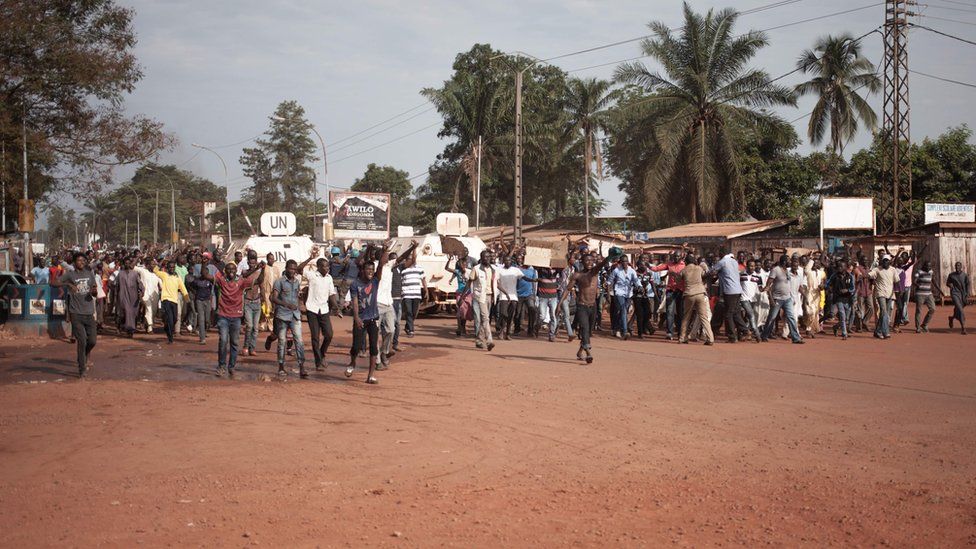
pixel 3 182
pixel 896 129
pixel 518 156
pixel 28 249
pixel 477 193
pixel 518 136
pixel 156 221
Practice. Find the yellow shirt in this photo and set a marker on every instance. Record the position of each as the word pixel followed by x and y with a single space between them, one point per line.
pixel 172 286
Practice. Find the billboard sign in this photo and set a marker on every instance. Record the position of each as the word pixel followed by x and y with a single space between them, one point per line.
pixel 952 213
pixel 847 213
pixel 364 216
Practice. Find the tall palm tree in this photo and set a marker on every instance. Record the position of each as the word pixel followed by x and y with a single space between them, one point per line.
pixel 705 95
pixel 839 72
pixel 475 112
pixel 588 104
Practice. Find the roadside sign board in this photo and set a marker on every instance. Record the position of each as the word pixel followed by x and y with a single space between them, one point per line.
pixel 952 213
pixel 364 216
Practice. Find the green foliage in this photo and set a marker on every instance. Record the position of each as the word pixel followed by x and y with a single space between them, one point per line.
pixel 479 100
pixel 387 179
pixel 840 72
pixel 65 69
pixel 281 167
pixel 687 157
pixel 108 212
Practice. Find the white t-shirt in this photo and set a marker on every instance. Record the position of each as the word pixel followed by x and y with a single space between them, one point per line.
pixel 508 283
pixel 319 289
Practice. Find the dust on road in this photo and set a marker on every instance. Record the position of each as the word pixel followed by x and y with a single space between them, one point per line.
pixel 855 443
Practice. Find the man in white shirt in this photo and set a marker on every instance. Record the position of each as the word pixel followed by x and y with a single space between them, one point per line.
pixel 884 276
pixel 321 298
pixel 152 286
pixel 507 278
pixel 482 281
pixel 385 306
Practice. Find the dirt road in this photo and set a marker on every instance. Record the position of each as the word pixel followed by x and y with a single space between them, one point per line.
pixel 831 443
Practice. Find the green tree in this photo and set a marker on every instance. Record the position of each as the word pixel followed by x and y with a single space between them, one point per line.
pixel 387 179
pixel 478 99
pixel 587 104
pixel 61 224
pixel 705 94
pixel 839 72
pixel 65 70
pixel 475 109
pixel 280 165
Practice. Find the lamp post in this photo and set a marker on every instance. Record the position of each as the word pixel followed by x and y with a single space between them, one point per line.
pixel 138 221
pixel 230 234
pixel 325 171
pixel 517 233
pixel 172 201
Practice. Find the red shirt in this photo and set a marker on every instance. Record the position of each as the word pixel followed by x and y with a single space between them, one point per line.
pixel 675 282
pixel 231 302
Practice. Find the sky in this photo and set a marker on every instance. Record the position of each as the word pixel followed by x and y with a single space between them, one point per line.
pixel 216 69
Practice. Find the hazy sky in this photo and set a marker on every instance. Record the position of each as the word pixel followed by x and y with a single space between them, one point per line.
pixel 215 69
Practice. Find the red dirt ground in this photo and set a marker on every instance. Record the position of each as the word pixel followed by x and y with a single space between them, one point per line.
pixel 833 443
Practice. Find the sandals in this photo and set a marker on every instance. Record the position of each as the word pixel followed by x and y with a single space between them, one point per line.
pixel 350 370
pixel 372 380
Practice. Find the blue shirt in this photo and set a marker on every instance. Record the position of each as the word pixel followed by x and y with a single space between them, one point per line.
pixel 459 276
pixel 366 295
pixel 624 281
pixel 288 292
pixel 727 269
pixel 524 287
pixel 42 275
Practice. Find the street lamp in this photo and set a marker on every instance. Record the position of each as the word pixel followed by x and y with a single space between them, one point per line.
pixel 517 233
pixel 138 222
pixel 230 237
pixel 172 199
pixel 325 172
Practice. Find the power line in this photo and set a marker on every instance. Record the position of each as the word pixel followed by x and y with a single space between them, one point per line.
pixel 944 34
pixel 947 8
pixel 637 38
pixel 439 122
pixel 778 27
pixel 372 135
pixel 946 19
pixel 951 81
pixel 957 2
pixel 378 124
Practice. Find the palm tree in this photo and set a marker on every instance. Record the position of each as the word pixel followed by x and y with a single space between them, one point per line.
pixel 475 110
pixel 587 104
pixel 839 72
pixel 705 96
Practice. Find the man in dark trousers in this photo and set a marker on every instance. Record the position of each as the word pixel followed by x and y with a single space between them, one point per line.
pixel 83 287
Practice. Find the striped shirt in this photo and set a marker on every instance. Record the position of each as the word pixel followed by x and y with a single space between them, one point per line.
pixel 548 287
pixel 923 282
pixel 411 284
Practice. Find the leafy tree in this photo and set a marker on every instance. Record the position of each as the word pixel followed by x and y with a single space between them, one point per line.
pixel 587 104
pixel 281 166
pixel 65 69
pixel 475 107
pixel 705 94
pixel 840 71
pixel 61 225
pixel 387 179
pixel 263 192
pixel 479 97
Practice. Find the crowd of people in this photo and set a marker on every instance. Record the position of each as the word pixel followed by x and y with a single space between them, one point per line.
pixel 688 296
pixel 685 296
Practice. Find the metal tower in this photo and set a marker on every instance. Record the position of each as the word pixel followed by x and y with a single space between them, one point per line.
pixel 896 206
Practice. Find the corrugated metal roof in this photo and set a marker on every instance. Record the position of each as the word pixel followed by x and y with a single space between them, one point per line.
pixel 720 230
